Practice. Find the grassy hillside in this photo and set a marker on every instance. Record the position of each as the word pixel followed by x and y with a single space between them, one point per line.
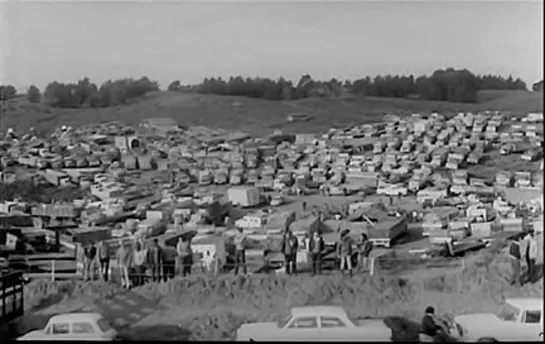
pixel 255 115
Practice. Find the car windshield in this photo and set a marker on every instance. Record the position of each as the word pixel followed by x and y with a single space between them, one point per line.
pixel 508 313
pixel 284 321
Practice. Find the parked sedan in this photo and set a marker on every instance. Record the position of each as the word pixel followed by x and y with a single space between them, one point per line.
pixel 316 323
pixel 519 319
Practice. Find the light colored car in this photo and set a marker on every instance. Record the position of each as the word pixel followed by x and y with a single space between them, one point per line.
pixel 316 323
pixel 74 326
pixel 518 319
pixel 277 200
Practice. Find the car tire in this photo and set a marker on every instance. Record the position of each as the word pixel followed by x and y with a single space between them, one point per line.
pixel 487 340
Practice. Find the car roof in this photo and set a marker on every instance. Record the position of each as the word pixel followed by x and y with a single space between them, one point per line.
pixel 71 317
pixel 317 311
pixel 532 303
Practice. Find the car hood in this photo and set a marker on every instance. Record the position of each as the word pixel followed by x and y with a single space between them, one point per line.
pixel 475 324
pixel 475 319
pixel 32 335
pixel 259 328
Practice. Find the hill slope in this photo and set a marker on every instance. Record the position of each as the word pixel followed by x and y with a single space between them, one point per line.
pixel 255 115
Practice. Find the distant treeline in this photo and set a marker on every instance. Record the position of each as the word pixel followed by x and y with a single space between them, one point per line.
pixel 84 93
pixel 442 85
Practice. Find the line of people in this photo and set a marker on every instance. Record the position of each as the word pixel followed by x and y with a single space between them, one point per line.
pixel 314 247
pixel 523 251
pixel 138 263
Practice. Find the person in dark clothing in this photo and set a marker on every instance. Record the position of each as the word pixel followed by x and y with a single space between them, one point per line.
pixel 103 255
pixel 364 250
pixel 515 257
pixel 316 247
pixel 531 256
pixel 155 260
pixel 289 249
pixel 89 262
pixel 304 206
pixel 169 261
pixel 344 251
pixel 430 330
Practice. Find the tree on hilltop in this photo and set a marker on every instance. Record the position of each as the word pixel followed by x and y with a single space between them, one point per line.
pixel 33 94
pixel 7 92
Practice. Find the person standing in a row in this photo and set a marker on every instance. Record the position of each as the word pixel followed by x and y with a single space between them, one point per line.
pixel 240 251
pixel 89 262
pixel 124 261
pixel 515 257
pixel 185 257
pixel 344 251
pixel 103 256
pixel 316 248
pixel 139 268
pixel 289 249
pixel 155 260
pixel 169 261
pixel 531 256
pixel 364 250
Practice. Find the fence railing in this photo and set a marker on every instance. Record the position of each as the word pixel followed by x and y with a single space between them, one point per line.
pixel 382 265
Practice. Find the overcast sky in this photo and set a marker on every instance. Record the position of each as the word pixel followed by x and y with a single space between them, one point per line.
pixel 64 41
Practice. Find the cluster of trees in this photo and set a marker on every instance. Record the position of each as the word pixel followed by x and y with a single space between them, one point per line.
pixel 495 82
pixel 87 94
pixel 442 85
pixel 84 93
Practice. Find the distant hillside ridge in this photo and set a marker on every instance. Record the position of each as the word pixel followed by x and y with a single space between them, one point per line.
pixel 453 85
pixel 256 116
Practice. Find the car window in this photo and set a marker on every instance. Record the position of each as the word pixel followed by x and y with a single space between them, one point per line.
pixel 82 327
pixel 304 322
pixel 61 328
pixel 532 317
pixel 328 322
pixel 104 325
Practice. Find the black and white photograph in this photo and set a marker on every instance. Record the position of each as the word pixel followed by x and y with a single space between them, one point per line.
pixel 271 170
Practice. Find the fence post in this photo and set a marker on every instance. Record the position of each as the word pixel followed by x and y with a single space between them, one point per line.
pixel 372 266
pixel 53 270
